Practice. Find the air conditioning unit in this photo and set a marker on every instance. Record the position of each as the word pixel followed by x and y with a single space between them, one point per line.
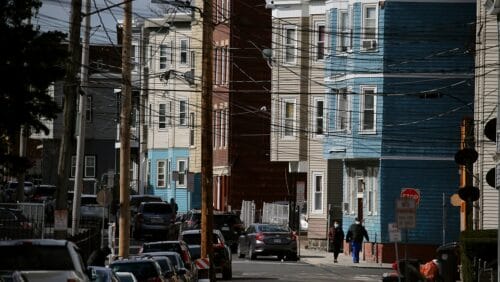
pixel 369 44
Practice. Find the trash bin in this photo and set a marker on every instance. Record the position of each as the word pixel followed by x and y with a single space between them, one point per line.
pixel 448 256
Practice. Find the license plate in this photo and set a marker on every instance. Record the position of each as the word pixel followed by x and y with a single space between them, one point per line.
pixel 225 228
pixel 277 240
pixel 156 220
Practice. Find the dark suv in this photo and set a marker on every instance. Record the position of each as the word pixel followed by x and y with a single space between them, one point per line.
pixel 152 219
pixel 228 223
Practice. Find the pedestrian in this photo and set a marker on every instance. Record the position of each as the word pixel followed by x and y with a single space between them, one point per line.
pixel 336 235
pixel 98 257
pixel 174 205
pixel 355 237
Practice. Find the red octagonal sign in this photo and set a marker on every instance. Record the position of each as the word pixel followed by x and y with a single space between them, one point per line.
pixel 411 193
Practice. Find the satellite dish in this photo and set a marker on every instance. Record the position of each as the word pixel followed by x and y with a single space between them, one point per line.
pixel 490 129
pixel 466 156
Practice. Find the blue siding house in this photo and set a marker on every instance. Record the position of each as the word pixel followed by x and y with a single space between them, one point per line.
pixel 400 78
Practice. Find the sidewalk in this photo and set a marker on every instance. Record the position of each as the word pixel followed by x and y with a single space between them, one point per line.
pixel 325 259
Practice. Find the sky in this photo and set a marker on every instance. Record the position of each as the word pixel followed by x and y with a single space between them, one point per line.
pixel 55 15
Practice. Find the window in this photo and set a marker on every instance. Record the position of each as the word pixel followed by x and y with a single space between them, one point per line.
pixel 148 173
pixel 344 42
pixel 184 52
pixel 222 128
pixel 214 128
pixel 150 115
pixel 320 41
pixel 160 171
pixel 369 36
pixel 167 172
pixel 216 65
pixel 289 117
pixel 343 115
pixel 224 65
pixel 181 168
pixel 368 117
pixel 164 54
pixel 191 129
pixel 182 112
pixel 89 167
pixel 162 116
pixel 290 45
pixel 73 166
pixel 88 113
pixel 372 190
pixel 318 192
pixel 319 117
pixel 226 116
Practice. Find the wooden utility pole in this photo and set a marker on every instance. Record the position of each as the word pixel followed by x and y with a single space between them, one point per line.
pixel 69 113
pixel 206 138
pixel 126 101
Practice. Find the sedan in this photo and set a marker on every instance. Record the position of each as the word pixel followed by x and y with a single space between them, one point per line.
pixel 261 239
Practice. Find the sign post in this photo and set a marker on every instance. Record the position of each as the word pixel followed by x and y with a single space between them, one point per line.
pixel 395 236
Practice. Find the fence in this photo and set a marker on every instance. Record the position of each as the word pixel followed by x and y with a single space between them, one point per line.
pixel 247 213
pixel 275 213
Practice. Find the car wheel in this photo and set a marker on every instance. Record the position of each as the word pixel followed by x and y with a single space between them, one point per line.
pixel 251 254
pixel 240 254
pixel 280 257
pixel 227 273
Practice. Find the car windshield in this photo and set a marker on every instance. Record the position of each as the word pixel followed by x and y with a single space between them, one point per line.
pixel 273 228
pixel 230 219
pixel 161 247
pixel 157 208
pixel 135 201
pixel 45 190
pixel 141 269
pixel 195 238
pixel 35 257
pixel 89 201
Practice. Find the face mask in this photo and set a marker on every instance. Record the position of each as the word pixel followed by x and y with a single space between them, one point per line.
pixel 357 222
pixel 335 225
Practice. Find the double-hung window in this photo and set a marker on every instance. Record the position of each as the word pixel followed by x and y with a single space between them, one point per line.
pixel 160 173
pixel 344 38
pixel 89 111
pixel 317 192
pixel 191 129
pixel 289 116
pixel 319 117
pixel 290 55
pixel 89 171
pixel 162 116
pixel 182 112
pixel 164 50
pixel 343 115
pixel 184 51
pixel 369 31
pixel 368 113
pixel 181 168
pixel 320 41
pixel 372 190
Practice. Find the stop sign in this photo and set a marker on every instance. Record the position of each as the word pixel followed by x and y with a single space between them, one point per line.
pixel 411 193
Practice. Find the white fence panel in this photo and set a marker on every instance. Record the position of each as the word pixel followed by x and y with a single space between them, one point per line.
pixel 275 213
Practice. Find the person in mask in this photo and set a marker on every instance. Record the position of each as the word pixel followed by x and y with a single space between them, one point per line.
pixel 355 236
pixel 337 240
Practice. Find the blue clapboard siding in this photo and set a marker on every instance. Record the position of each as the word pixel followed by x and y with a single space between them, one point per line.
pixel 423 71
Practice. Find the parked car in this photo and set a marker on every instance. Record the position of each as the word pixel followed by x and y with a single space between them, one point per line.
pixel 167 268
pixel 152 219
pixel 91 210
pixel 102 274
pixel 183 274
pixel 221 252
pixel 145 270
pixel 11 188
pixel 137 200
pixel 177 246
pixel 126 276
pixel 228 223
pixel 43 193
pixel 14 225
pixel 43 260
pixel 268 240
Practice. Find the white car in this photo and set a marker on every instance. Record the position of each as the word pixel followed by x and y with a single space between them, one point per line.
pixel 42 260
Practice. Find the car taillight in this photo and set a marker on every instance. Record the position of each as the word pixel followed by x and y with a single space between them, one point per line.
pixel 185 256
pixel 293 236
pixel 26 225
pixel 259 236
pixel 218 246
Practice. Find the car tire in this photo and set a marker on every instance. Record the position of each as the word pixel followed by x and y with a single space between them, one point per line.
pixel 240 254
pixel 227 273
pixel 251 254
pixel 280 257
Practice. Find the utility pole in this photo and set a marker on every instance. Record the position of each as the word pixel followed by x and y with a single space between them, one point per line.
pixel 126 101
pixel 82 109
pixel 206 138
pixel 66 146
pixel 23 139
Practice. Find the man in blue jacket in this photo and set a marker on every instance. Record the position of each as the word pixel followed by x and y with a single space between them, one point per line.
pixel 355 236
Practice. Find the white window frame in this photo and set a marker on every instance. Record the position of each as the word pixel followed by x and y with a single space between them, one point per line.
pixel 365 23
pixel 214 128
pixel 350 193
pixel 317 34
pixel 343 112
pixel 168 173
pixel 226 131
pixel 344 42
pixel 318 181
pixel 162 116
pixel 372 190
pixel 319 117
pixel 191 128
pixel 363 110
pixel 184 51
pixel 161 173
pixel 290 44
pixel 216 65
pixel 182 173
pixel 183 112
pixel 163 57
pixel 221 128
pixel 289 130
pixel 90 167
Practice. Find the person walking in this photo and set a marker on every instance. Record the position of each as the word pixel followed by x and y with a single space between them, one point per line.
pixel 355 237
pixel 336 235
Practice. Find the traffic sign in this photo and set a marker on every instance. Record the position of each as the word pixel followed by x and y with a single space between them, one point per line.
pixel 394 232
pixel 406 213
pixel 411 193
pixel 104 197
